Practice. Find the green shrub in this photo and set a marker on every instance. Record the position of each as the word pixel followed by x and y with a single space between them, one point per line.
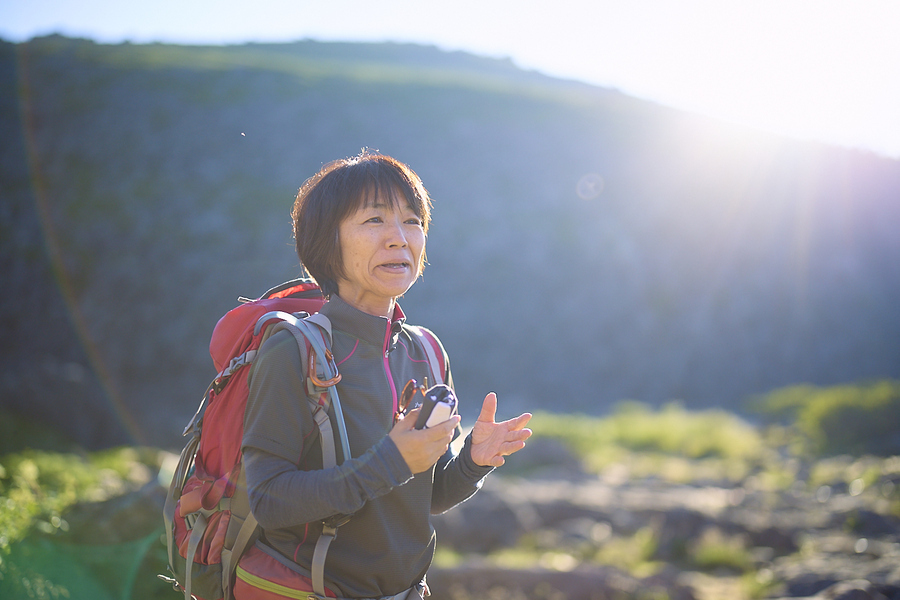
pixel 714 550
pixel 759 584
pixel 671 442
pixel 671 430
pixel 693 434
pixel 40 557
pixel 845 419
pixel 633 554
pixel 36 486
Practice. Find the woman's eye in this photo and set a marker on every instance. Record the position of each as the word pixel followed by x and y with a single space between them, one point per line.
pixel 414 221
pixel 373 220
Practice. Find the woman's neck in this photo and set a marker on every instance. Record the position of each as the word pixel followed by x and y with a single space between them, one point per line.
pixel 377 309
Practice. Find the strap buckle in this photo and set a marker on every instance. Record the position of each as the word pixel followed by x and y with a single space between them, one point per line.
pixel 331 524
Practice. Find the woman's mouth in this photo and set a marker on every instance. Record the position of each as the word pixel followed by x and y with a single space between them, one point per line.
pixel 395 266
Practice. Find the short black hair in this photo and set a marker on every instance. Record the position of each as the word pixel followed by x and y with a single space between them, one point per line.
pixel 338 190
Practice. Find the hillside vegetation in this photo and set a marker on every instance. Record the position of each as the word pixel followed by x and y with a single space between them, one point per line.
pixel 587 247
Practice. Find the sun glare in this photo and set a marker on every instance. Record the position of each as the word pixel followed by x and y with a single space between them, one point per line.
pixel 820 69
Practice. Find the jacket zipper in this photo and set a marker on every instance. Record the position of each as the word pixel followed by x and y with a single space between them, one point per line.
pixel 387 368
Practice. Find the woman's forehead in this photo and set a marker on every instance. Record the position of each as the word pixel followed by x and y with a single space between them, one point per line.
pixel 380 197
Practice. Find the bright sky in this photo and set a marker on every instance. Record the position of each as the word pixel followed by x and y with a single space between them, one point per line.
pixel 819 69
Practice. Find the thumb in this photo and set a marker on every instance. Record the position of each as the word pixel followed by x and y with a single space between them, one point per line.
pixel 489 408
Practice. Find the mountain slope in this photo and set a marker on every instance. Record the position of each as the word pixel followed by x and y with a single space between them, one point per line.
pixel 587 247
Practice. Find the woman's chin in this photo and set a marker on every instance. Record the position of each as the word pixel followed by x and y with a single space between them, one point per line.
pixel 396 284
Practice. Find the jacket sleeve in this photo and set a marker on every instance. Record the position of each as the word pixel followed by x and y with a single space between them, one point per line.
pixel 274 484
pixel 276 425
pixel 456 478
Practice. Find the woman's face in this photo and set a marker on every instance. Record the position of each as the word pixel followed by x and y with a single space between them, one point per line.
pixel 382 245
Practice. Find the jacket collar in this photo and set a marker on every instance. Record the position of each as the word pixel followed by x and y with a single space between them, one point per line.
pixel 361 325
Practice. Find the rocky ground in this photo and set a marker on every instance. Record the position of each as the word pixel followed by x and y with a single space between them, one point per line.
pixel 699 541
pixel 558 533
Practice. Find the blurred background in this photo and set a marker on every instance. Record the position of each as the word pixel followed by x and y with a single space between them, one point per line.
pixel 657 209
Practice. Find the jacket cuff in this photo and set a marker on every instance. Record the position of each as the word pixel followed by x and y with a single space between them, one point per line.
pixel 397 468
pixel 467 466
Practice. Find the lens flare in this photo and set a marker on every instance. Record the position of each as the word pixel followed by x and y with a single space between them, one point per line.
pixel 589 186
pixel 52 247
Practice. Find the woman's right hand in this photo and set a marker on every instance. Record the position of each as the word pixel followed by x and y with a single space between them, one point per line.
pixel 421 448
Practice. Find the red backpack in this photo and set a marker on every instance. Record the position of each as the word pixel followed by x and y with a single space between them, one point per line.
pixel 207 515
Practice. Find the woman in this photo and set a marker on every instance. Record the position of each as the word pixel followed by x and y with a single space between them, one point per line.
pixel 360 226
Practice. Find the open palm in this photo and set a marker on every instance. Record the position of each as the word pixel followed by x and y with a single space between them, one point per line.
pixel 492 441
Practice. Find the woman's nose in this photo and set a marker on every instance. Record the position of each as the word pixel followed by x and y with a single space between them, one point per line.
pixel 395 235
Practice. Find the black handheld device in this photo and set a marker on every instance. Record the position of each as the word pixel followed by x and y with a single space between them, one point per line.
pixel 438 405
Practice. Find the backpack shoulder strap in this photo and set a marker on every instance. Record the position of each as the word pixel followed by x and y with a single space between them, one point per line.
pixel 318 336
pixel 434 351
pixel 323 322
pixel 315 331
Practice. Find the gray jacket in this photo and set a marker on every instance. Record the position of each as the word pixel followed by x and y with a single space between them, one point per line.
pixel 388 544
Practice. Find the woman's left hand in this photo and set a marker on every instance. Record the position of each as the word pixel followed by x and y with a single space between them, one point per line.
pixel 492 441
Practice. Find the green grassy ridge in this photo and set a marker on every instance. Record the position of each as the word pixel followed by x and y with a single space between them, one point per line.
pixel 381 64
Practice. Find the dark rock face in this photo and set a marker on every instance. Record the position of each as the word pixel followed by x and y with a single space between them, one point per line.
pixel 135 212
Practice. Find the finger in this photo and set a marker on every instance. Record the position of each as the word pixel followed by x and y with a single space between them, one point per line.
pixel 450 425
pixel 519 422
pixel 488 408
pixel 511 447
pixel 518 436
pixel 443 429
pixel 507 448
pixel 408 421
